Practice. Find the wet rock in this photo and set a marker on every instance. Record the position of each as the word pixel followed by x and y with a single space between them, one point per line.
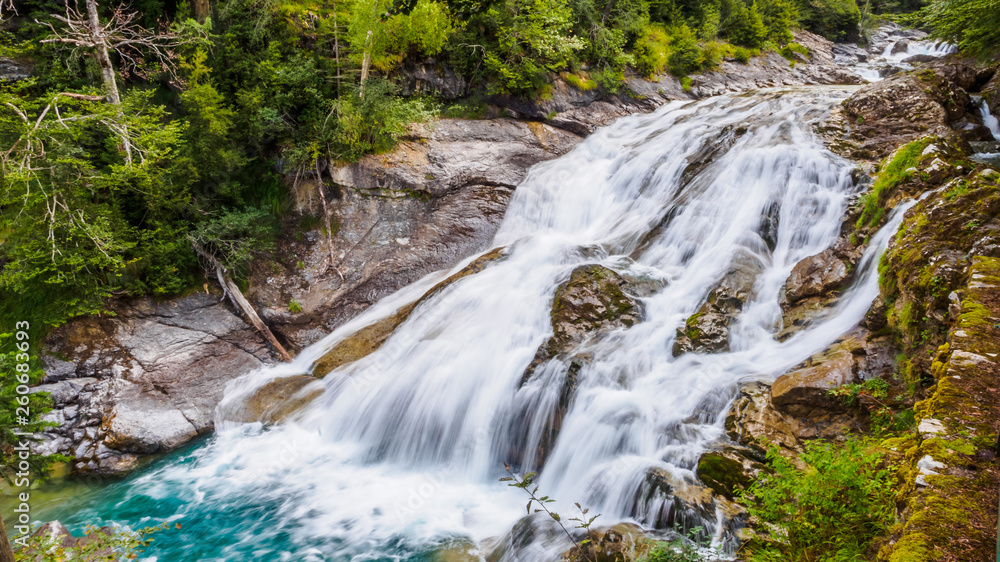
pixel 276 400
pixel 667 500
pixel 881 116
pixel 919 58
pixel 753 422
pixel 816 275
pixel 729 470
pixel 591 302
pixel 900 46
pixel 368 339
pixel 624 541
pixel 707 330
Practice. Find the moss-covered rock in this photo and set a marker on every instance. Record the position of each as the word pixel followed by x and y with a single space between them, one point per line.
pixel 949 478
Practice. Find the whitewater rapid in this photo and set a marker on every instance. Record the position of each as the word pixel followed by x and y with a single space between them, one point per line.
pixel 401 454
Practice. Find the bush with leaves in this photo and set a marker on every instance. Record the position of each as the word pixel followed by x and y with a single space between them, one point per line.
pixel 830 509
pixel 104 544
pixel 973 25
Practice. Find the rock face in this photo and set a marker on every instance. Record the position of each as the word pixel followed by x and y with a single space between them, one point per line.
pixel 436 199
pixel 145 382
pixel 886 114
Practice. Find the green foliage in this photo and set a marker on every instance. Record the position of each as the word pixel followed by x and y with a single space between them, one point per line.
pixel 234 236
pixel 582 83
pixel 891 175
pixel 837 20
pixel 678 550
pixel 742 54
pixel 294 306
pixel 829 510
pixel 973 25
pixel 687 55
pixel 652 51
pixel 373 123
pixel 745 25
pixel 19 368
pixel 789 50
pixel 104 544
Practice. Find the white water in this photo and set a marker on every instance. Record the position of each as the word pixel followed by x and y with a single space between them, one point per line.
pixel 989 119
pixel 404 448
pixel 872 69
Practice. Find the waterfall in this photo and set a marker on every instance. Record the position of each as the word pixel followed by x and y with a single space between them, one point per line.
pixel 989 119
pixel 401 453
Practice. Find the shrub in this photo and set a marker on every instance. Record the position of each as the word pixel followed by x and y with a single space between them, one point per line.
pixel 837 20
pixel 652 51
pixel 742 54
pixel 583 83
pixel 831 509
pixel 686 54
pixel 745 26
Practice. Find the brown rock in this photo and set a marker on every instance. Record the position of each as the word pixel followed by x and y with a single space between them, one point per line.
pixel 816 275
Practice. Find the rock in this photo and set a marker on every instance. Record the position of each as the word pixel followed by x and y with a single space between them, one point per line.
pixel 590 304
pixel 12 70
pixel 729 470
pixel 883 115
pixel 938 171
pixel 430 77
pixel 804 390
pixel 435 199
pixel 900 46
pixel 771 69
pixel 368 339
pixel 754 423
pixel 707 330
pixel 816 275
pixel 276 400
pixel 144 381
pixel 593 301
pixel 668 500
pixel 919 58
pixel 624 541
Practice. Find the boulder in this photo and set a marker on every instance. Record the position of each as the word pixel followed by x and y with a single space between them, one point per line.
pixel 884 115
pixel 729 470
pixel 816 275
pixel 806 389
pixel 753 422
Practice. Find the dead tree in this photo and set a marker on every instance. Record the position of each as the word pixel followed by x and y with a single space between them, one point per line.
pixel 131 42
pixel 239 301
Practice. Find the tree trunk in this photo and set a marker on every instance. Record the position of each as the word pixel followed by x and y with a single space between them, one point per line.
pixel 365 63
pixel 108 72
pixel 202 9
pixel 6 553
pixel 326 221
pixel 241 302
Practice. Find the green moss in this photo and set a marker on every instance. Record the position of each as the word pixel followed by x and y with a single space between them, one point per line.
pixel 721 474
pixel 893 173
pixel 583 83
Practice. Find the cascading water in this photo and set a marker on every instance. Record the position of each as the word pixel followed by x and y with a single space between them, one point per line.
pixel 875 68
pixel 989 119
pixel 400 455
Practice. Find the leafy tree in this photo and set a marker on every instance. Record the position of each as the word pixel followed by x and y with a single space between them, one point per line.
pixel 973 25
